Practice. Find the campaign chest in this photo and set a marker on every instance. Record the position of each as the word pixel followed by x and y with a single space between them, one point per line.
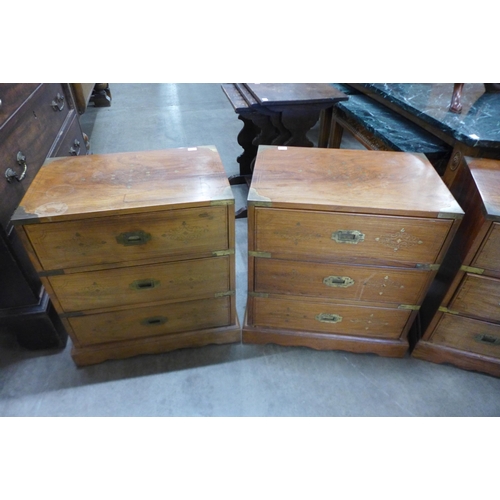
pixel 460 320
pixel 135 249
pixel 343 246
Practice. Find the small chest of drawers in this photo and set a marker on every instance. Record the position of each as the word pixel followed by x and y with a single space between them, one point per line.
pixel 343 246
pixel 460 319
pixel 135 249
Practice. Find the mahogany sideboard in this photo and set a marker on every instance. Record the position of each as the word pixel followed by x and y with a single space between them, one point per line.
pixel 37 120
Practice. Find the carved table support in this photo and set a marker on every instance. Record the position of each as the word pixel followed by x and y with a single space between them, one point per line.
pixel 299 120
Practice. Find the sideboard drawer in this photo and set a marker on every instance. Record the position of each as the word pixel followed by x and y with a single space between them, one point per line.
pixel 179 234
pixel 352 238
pixel 488 256
pixel 478 297
pixel 28 144
pixel 152 321
pixel 175 281
pixel 468 335
pixel 12 97
pixel 328 317
pixel 340 281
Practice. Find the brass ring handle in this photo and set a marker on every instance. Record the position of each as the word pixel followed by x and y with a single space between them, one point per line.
pixel 58 102
pixel 11 174
pixel 75 149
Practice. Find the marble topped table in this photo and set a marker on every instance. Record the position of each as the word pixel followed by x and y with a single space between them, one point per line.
pixel 474 132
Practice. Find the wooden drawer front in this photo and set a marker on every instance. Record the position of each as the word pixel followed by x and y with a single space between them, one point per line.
pixel 337 281
pixel 478 297
pixel 176 281
pixel 151 321
pixel 328 317
pixel 33 136
pixel 72 143
pixel 180 234
pixel 489 255
pixel 361 238
pixel 12 96
pixel 468 335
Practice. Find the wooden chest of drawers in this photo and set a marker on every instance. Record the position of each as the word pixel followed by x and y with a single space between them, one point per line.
pixel 37 120
pixel 136 250
pixel 460 320
pixel 343 246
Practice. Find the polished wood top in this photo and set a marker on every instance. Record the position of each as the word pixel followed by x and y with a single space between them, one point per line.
pixel 355 181
pixel 295 93
pixel 120 183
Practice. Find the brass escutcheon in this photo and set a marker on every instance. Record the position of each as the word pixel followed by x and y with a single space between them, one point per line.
pixel 329 318
pixel 338 281
pixel 348 236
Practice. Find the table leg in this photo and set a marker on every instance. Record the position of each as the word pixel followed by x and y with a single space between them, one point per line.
pixel 246 139
pixel 299 122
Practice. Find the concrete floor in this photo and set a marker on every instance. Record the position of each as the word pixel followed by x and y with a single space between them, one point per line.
pixel 230 380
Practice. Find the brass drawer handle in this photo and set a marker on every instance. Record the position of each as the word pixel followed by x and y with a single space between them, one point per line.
pixel 58 102
pixel 146 284
pixel 133 238
pixel 329 318
pixel 154 321
pixel 348 236
pixel 75 149
pixel 487 339
pixel 11 174
pixel 338 281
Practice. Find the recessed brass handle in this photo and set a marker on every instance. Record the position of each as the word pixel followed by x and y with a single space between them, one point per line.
pixel 154 321
pixel 348 236
pixel 487 339
pixel 58 102
pixel 133 238
pixel 338 281
pixel 329 318
pixel 146 284
pixel 11 174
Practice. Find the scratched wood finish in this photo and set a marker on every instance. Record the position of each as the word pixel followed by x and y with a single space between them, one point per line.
pixel 136 250
pixel 488 256
pixel 343 246
pixel 355 181
pixel 340 281
pixel 305 234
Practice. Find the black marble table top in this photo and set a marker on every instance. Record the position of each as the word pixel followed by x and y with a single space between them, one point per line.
pixel 478 125
pixel 393 129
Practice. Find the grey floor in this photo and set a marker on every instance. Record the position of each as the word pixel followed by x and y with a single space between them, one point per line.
pixel 230 380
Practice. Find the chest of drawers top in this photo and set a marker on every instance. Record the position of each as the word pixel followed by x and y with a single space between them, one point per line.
pixel 368 182
pixel 104 185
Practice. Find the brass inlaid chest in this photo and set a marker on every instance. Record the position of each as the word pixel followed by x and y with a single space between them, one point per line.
pixel 343 246
pixel 135 249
